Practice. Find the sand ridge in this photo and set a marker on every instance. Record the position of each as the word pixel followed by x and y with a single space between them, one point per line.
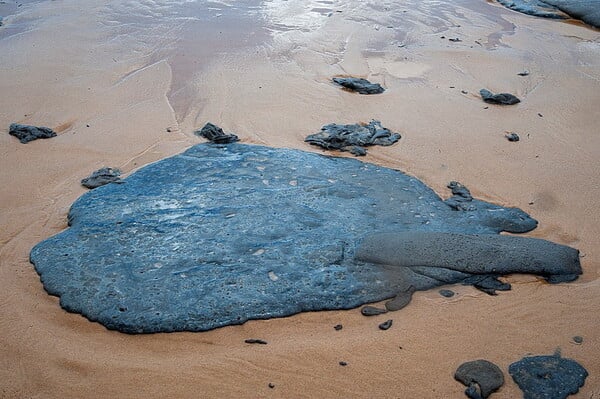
pixel 77 71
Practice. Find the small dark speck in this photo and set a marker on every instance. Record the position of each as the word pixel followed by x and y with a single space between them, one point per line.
pixel 169 130
pixel 540 115
pixel 464 92
pixel 442 37
pixel 343 364
pixel 255 341
pixel 87 125
pixel 452 87
pixel 531 203
pixel 338 327
pixel 578 339
pixel 271 385
pixel 485 107
pixel 446 293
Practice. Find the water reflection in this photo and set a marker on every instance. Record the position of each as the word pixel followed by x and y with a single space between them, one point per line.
pixel 14 17
pixel 306 16
pixel 190 34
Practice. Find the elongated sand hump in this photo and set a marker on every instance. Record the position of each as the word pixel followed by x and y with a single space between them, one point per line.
pixel 443 255
pixel 222 234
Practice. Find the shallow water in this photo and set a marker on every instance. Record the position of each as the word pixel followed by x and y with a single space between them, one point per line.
pixel 190 34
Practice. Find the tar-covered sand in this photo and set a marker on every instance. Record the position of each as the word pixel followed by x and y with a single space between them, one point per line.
pixel 125 83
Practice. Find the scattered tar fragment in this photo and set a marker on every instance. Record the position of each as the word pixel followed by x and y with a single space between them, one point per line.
pixel 524 73
pixel 548 376
pixel 271 385
pixel 27 133
pixel 102 177
pixel 512 137
pixel 338 327
pixel 481 377
pixel 255 341
pixel 359 85
pixel 343 363
pixel 353 138
pixel 215 134
pixel 386 325
pixel 501 98
pixel 455 40
pixel 372 311
pixel 578 339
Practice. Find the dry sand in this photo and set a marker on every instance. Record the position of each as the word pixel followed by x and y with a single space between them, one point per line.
pixel 111 76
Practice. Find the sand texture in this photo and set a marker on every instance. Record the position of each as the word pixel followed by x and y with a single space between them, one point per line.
pixel 126 83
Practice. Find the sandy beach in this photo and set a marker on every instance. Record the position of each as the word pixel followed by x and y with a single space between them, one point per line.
pixel 125 83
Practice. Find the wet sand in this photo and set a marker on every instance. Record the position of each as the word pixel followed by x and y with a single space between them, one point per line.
pixel 112 76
